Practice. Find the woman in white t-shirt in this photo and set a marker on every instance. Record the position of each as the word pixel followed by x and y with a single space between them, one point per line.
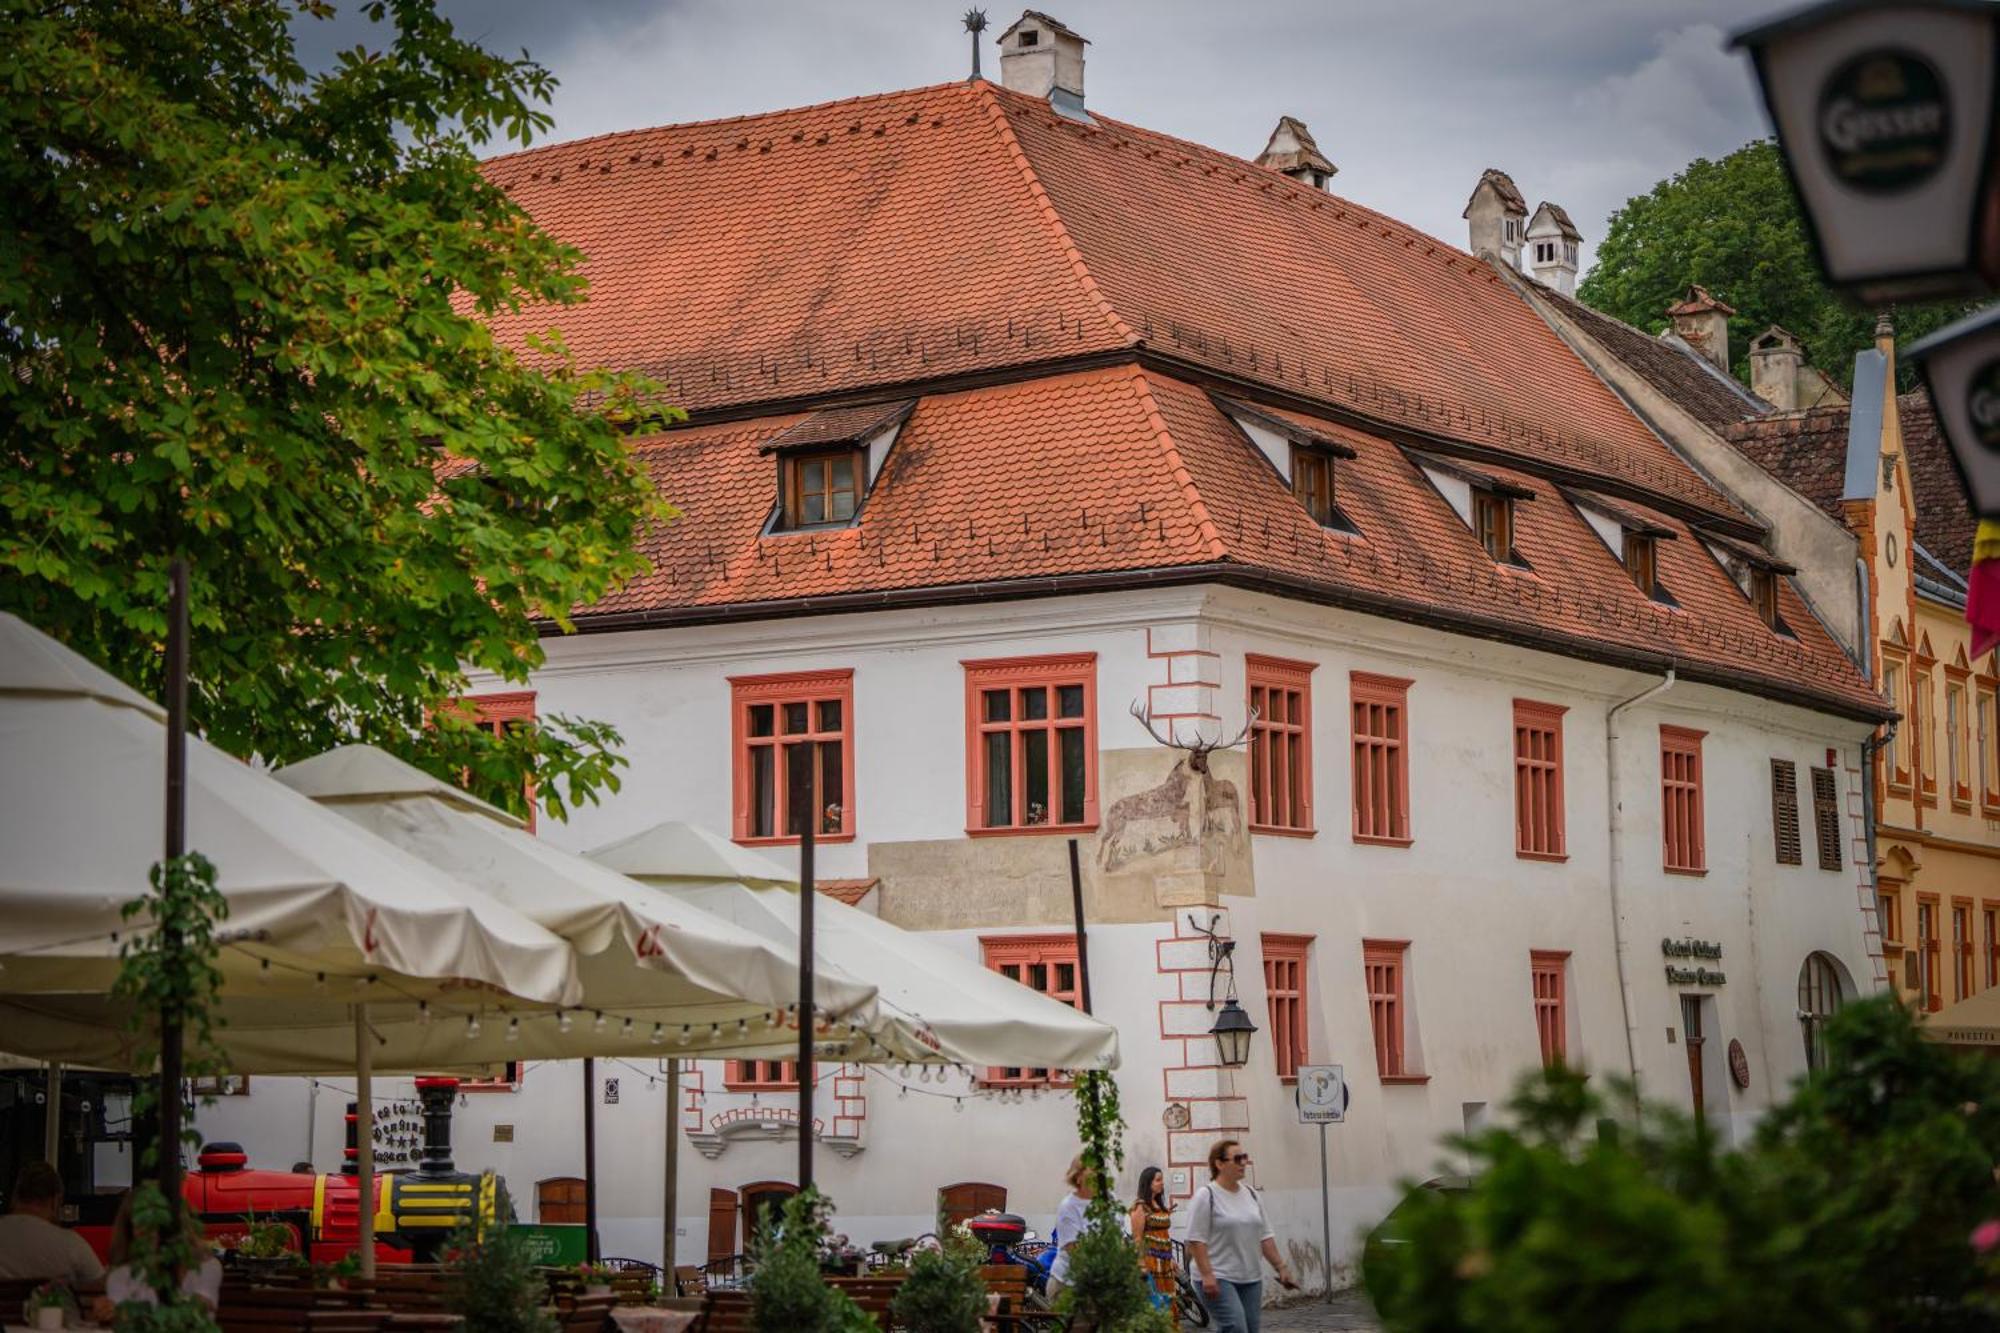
pixel 1226 1230
pixel 1073 1219
pixel 123 1284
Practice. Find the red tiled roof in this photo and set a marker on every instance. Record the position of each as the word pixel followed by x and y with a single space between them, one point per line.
pixel 849 891
pixel 1807 450
pixel 1945 522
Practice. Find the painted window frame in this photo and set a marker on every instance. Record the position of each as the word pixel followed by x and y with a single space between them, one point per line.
pixel 1049 950
pixel 1929 953
pixel 1787 838
pixel 508 1080
pixel 1989 915
pixel 1050 672
pixel 1386 985
pixel 1957 741
pixel 1287 1000
pixel 792 466
pixel 776 691
pixel 1369 691
pixel 1686 854
pixel 1493 525
pixel 1290 738
pixel 1895 684
pixel 1538 764
pixel 760 1075
pixel 1986 723
pixel 1548 981
pixel 1964 949
pixel 1315 487
pixel 494 712
pixel 1922 721
pixel 1827 833
pixel 1640 554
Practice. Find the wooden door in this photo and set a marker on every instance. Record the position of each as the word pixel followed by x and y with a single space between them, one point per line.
pixel 559 1199
pixel 760 1203
pixel 721 1224
pixel 969 1199
pixel 1691 1034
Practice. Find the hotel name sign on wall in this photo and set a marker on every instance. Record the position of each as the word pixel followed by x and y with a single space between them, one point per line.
pixel 1702 951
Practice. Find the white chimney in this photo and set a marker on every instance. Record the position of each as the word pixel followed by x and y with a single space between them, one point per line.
pixel 1041 57
pixel 1775 362
pixel 1553 242
pixel 1702 322
pixel 1292 151
pixel 1497 216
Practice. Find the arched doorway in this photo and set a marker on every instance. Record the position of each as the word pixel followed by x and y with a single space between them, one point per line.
pixel 559 1200
pixel 969 1198
pixel 1823 988
pixel 760 1203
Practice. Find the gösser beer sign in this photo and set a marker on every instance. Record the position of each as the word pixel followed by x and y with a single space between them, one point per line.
pixel 1885 110
pixel 1961 368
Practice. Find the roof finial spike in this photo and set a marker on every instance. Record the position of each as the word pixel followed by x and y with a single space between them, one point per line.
pixel 975 23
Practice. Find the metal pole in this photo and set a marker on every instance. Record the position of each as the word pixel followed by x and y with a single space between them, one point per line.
pixel 1082 940
pixel 804 800
pixel 590 1158
pixel 176 847
pixel 364 1142
pixel 52 1118
pixel 672 1175
pixel 1325 1216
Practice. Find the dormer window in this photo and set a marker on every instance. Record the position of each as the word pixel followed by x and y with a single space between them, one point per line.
pixel 826 462
pixel 822 488
pixel 1764 596
pixel 1029 37
pixel 1756 573
pixel 1642 561
pixel 1306 458
pixel 1493 524
pixel 1631 536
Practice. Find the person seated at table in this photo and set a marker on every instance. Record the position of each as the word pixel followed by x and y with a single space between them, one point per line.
pixel 1073 1219
pixel 124 1283
pixel 32 1245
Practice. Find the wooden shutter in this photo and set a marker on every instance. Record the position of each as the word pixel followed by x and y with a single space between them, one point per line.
pixel 721 1224
pixel 1826 818
pixel 1785 811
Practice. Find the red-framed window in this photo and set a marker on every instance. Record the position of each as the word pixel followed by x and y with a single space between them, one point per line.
pixel 1894 673
pixel 500 714
pixel 507 1080
pixel 1922 719
pixel 772 719
pixel 1031 744
pixel 1986 738
pixel 1546 969
pixel 1381 758
pixel 1989 913
pixel 1685 840
pixel 1045 963
pixel 1384 968
pixel 1285 995
pixel 1963 947
pixel 1930 969
pixel 1280 744
pixel 1538 780
pixel 760 1075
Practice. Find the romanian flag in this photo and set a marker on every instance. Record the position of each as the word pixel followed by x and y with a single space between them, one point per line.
pixel 1982 601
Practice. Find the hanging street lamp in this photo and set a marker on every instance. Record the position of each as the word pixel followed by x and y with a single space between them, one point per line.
pixel 1232 1032
pixel 1961 369
pixel 1885 113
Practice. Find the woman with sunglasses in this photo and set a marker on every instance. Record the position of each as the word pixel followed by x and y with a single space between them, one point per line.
pixel 1226 1231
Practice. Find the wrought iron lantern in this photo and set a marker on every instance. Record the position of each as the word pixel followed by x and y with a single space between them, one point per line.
pixel 1232 1032
pixel 1885 113
pixel 1961 368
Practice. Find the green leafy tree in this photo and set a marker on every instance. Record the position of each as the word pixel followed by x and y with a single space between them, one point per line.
pixel 1733 225
pixel 1107 1289
pixel 244 324
pixel 942 1294
pixel 787 1292
pixel 1856 1205
pixel 493 1283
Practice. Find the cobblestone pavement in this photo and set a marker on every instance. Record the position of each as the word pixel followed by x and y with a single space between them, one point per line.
pixel 1348 1313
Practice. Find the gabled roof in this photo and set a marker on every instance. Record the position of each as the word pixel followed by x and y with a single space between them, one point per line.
pixel 1558 217
pixel 839 425
pixel 1501 184
pixel 1292 146
pixel 1698 300
pixel 1054 25
pixel 1807 450
pixel 1945 521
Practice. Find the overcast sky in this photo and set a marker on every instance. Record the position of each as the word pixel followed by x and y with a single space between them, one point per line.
pixel 1583 102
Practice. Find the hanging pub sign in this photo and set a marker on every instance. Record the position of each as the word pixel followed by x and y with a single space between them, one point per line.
pixel 1702 951
pixel 1885 110
pixel 1961 369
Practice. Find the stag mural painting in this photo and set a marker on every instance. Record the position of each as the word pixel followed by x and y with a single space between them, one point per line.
pixel 1190 808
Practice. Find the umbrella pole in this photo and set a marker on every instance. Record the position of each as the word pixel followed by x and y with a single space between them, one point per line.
pixel 1082 940
pixel 671 1185
pixel 176 840
pixel 807 825
pixel 52 1118
pixel 590 1158
pixel 364 1143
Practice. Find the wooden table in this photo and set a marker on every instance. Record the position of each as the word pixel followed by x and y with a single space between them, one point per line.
pixel 652 1319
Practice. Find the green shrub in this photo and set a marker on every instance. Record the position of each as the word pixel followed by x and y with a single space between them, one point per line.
pixel 493 1284
pixel 1107 1288
pixel 787 1292
pixel 1852 1206
pixel 942 1294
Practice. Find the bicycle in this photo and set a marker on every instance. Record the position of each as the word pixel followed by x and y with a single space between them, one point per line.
pixel 1187 1302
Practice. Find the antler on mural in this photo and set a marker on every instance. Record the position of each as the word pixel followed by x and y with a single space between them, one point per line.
pixel 1200 748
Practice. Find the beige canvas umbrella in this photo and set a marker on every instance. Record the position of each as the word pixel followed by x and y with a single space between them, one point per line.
pixel 1973 1021
pixel 932 1004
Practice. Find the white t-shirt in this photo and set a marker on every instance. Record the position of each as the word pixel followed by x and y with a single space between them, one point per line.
pixel 1231 1223
pixel 1072 1220
pixel 31 1247
pixel 206 1282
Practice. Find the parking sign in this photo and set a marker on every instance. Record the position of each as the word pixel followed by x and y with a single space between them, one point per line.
pixel 1321 1095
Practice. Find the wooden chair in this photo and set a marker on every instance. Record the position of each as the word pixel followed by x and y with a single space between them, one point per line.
pixel 1014 1314
pixel 689 1280
pixel 724 1311
pixel 588 1314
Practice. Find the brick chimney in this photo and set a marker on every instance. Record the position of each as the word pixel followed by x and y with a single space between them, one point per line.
pixel 1702 322
pixel 1497 216
pixel 1042 57
pixel 1291 150
pixel 1775 362
pixel 1553 242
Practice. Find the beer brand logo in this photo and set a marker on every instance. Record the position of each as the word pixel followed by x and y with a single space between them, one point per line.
pixel 1883 122
pixel 1982 404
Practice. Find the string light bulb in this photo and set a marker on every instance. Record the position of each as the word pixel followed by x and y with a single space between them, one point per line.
pixel 687 1034
pixel 471 1026
pixel 742 1027
pixel 513 1029
pixel 625 1030
pixel 263 971
pixel 562 1020
pixel 659 1033
pixel 319 983
pixel 597 1023
pixel 423 1013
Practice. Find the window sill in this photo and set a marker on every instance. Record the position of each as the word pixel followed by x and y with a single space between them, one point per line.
pixel 793 840
pixel 756 1088
pixel 1696 871
pixel 1289 1080
pixel 1375 840
pixel 1399 1079
pixel 1280 831
pixel 1030 830
pixel 1540 856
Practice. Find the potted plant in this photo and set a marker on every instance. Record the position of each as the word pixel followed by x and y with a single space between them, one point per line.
pixel 494 1286
pixel 788 1292
pixel 49 1306
pixel 942 1294
pixel 594 1278
pixel 335 1276
pixel 266 1245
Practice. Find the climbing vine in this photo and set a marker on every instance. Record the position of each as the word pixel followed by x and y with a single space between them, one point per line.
pixel 167 972
pixel 1100 1127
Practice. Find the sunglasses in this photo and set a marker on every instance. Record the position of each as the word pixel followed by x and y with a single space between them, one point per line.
pixel 1241 1159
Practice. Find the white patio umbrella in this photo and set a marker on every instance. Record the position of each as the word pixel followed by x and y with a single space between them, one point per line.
pixel 932 1004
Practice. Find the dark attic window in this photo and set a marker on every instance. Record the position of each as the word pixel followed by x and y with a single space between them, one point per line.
pixel 1493 524
pixel 1312 485
pixel 1642 562
pixel 824 460
pixel 822 487
pixel 1029 38
pixel 1764 596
